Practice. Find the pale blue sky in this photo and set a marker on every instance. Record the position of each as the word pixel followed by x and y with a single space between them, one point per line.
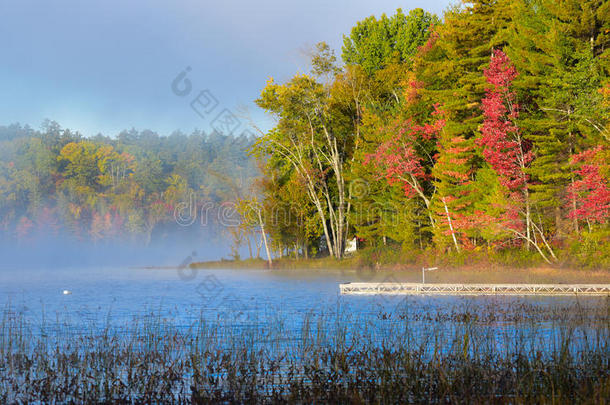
pixel 103 66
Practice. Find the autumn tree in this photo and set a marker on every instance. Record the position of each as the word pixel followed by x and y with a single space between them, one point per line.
pixel 403 158
pixel 453 206
pixel 315 136
pixel 557 47
pixel 383 50
pixel 591 189
pixel 507 152
pixel 102 188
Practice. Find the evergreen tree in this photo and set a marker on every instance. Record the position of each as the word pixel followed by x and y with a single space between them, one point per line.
pixel 375 43
pixel 555 45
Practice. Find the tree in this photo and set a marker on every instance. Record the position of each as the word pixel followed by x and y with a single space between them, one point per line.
pixel 591 189
pixel 379 57
pixel 507 152
pixel 251 212
pixel 449 66
pixel 374 44
pixel 379 208
pixel 101 188
pixel 402 158
pixel 554 45
pixel 79 162
pixel 456 193
pixel 315 137
pixel 448 71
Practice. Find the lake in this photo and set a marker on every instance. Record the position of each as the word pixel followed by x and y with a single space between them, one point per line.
pixel 128 335
pixel 118 296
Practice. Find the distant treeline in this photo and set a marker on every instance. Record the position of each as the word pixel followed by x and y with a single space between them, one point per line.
pixel 487 129
pixel 54 181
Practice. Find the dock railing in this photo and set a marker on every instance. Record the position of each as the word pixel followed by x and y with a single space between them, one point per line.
pixel 474 289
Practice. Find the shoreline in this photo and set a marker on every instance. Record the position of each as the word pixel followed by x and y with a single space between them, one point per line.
pixel 476 273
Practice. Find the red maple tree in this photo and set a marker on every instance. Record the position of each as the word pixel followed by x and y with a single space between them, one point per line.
pixel 590 189
pixel 503 146
pixel 401 159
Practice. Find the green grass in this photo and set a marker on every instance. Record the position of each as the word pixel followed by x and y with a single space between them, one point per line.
pixel 284 263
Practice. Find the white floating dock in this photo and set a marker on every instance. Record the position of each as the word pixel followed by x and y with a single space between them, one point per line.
pixel 474 289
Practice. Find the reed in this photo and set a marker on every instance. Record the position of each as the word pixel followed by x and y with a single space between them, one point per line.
pixel 518 353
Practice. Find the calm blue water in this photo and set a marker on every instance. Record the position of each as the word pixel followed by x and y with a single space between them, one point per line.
pixel 121 296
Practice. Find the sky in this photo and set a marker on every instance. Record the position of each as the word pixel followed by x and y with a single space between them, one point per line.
pixel 105 66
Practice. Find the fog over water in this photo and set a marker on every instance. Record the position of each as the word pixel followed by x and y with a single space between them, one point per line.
pixel 165 249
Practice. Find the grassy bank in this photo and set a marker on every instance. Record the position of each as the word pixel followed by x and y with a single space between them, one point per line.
pixel 555 354
pixel 470 267
pixel 284 263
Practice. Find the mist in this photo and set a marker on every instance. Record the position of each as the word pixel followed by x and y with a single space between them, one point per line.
pixel 137 199
pixel 167 248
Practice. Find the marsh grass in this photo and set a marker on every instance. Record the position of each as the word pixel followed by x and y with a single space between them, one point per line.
pixel 510 354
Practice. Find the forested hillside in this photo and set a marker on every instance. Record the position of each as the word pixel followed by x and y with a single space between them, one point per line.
pixel 486 130
pixel 55 182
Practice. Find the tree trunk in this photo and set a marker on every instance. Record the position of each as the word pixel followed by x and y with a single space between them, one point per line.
pixel 264 235
pixel 457 247
pixel 318 205
pixel 527 215
pixel 574 207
